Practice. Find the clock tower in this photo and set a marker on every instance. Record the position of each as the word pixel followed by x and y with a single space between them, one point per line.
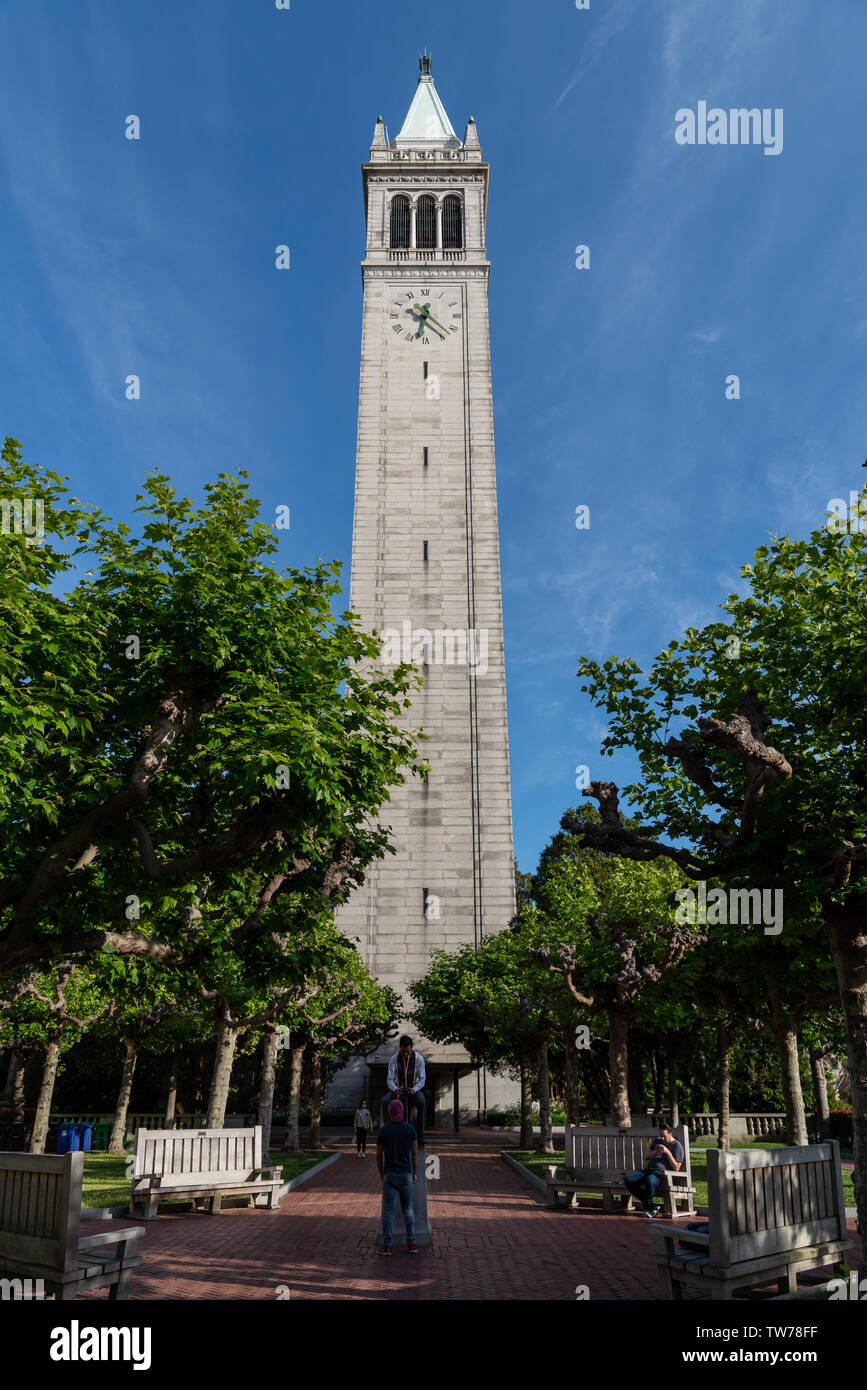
pixel 426 575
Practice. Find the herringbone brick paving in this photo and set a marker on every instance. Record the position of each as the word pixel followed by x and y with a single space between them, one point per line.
pixel 494 1239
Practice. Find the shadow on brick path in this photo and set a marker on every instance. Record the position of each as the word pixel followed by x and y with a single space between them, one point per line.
pixel 494 1239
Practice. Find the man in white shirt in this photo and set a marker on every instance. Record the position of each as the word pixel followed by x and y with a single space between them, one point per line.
pixel 406 1078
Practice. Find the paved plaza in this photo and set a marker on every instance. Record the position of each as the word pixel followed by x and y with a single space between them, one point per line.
pixel 493 1239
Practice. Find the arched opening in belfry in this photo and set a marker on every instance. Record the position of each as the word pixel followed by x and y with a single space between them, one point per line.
pixel 399 230
pixel 426 222
pixel 453 223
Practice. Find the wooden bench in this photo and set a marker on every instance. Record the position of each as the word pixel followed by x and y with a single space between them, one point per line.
pixel 200 1165
pixel 40 1239
pixel 773 1212
pixel 598 1158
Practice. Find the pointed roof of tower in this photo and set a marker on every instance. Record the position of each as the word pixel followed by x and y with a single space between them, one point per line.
pixel 426 125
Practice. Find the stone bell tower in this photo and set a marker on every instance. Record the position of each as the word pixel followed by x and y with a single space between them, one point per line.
pixel 426 573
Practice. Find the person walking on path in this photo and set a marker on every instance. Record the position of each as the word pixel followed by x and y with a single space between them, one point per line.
pixel 397 1161
pixel 363 1122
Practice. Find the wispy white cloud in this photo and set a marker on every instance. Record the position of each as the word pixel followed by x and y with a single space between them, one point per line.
pixel 607 25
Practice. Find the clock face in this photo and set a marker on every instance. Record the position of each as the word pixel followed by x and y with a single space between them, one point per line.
pixel 426 317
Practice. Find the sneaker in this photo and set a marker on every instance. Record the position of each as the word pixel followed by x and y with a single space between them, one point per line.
pixel 649 1212
pixel 384 1250
pixel 412 1248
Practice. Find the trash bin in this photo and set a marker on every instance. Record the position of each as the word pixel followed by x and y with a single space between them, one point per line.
pixel 16 1138
pixel 51 1138
pixel 101 1135
pixel 67 1139
pixel 85 1138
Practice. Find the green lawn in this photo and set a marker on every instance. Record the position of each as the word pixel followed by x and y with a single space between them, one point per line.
pixel 105 1183
pixel 537 1163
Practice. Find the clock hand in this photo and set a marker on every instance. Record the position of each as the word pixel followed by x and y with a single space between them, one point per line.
pixel 431 319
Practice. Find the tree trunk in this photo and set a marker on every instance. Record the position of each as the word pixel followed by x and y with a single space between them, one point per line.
pixel 635 1082
pixel 526 1140
pixel 46 1093
pixel 785 1032
pixel 618 1063
pixel 296 1060
pixel 820 1091
pixel 199 1090
pixel 723 1042
pixel 315 1101
pixel 673 1097
pixel 172 1097
pixel 11 1068
pixel 265 1109
pixel 573 1083
pixel 545 1136
pixel 658 1067
pixel 227 1041
pixel 118 1129
pixel 18 1090
pixel 847 928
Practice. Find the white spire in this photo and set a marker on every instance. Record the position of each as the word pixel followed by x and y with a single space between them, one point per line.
pixel 426 125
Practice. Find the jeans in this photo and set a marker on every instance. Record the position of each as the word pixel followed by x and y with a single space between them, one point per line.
pixel 643 1186
pixel 397 1185
pixel 361 1139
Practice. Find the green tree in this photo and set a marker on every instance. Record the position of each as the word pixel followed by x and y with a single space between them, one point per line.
pixel 764 779
pixel 617 935
pixel 51 1011
pixel 187 735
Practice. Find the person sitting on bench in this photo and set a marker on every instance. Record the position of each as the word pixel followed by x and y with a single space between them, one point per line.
pixel 662 1153
pixel 406 1077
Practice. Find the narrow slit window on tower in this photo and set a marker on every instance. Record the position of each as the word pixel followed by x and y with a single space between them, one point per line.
pixel 424 455
pixel 426 222
pixel 453 223
pixel 424 364
pixel 424 550
pixel 424 902
pixel 399 230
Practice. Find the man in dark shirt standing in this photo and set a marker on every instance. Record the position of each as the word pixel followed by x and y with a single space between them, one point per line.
pixel 397 1161
pixel 663 1154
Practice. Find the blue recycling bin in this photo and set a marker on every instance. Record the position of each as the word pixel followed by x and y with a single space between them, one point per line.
pixel 85 1138
pixel 67 1139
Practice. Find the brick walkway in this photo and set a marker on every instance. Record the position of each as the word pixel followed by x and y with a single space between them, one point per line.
pixel 494 1238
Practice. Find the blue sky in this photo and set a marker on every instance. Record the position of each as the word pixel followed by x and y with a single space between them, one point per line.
pixel 156 257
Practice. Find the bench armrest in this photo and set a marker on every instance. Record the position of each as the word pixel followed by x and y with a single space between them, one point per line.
pixel 128 1233
pixel 665 1236
pixel 152 1179
pixel 275 1171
